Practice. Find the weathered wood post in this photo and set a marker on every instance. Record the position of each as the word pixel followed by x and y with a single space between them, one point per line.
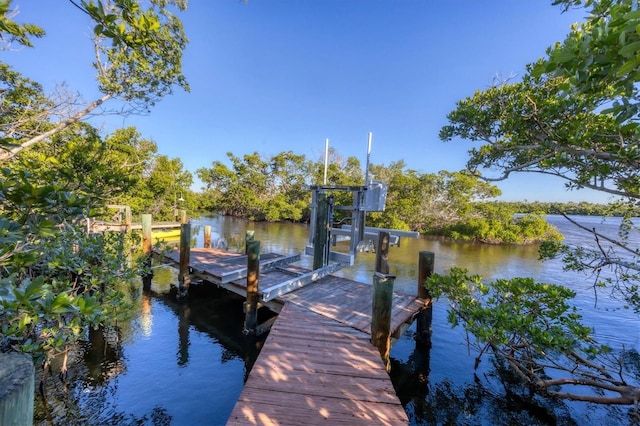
pixel 16 389
pixel 146 234
pixel 253 272
pixel 184 278
pixel 249 236
pixel 207 236
pixel 183 216
pixel 426 261
pixel 127 218
pixel 381 314
pixel 146 251
pixel 382 253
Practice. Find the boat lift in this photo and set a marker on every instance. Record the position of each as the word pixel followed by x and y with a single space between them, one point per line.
pixel 371 197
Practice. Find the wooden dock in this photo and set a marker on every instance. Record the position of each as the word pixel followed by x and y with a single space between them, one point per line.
pixel 318 364
pixel 313 370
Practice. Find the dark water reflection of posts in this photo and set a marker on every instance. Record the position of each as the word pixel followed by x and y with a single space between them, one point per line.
pixel 183 334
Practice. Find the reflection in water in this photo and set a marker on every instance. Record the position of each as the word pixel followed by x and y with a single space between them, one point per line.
pixel 183 333
pixel 146 317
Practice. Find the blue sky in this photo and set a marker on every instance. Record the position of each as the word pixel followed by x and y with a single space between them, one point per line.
pixel 269 76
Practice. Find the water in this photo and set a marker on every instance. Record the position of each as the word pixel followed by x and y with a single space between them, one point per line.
pixel 185 364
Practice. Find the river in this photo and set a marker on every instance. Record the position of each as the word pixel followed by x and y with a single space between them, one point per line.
pixel 184 364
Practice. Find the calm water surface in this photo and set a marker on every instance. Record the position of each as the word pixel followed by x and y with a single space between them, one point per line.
pixel 185 364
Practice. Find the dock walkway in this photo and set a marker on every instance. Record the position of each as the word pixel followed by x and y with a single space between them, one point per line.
pixel 313 370
pixel 317 364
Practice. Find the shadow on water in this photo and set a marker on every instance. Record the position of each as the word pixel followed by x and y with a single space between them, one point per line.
pixel 174 363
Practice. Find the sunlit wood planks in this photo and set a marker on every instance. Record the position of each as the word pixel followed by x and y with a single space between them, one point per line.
pixel 314 370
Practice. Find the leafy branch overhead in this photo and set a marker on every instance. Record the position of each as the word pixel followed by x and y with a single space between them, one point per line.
pixel 574 114
pixel 137 50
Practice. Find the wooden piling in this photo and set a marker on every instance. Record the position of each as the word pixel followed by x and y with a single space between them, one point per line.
pixel 185 254
pixel 381 314
pixel 16 389
pixel 249 237
pixel 207 236
pixel 183 216
pixel 147 236
pixel 426 261
pixel 382 253
pixel 127 218
pixel 253 272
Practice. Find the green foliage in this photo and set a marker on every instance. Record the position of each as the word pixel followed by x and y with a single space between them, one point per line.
pixel 513 312
pixel 11 31
pixel 138 58
pixel 140 49
pixel 532 329
pixel 498 223
pixel 57 280
pixel 75 286
pixel 574 115
pixel 273 189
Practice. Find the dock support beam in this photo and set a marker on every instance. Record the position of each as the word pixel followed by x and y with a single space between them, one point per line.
pixel 147 274
pixel 253 272
pixel 185 254
pixel 381 314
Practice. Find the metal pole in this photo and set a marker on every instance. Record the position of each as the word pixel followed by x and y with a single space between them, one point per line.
pixel 326 159
pixel 366 172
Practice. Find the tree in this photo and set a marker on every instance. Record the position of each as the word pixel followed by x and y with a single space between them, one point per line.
pixel 138 53
pixel 56 280
pixel 259 189
pixel 532 330
pixel 574 115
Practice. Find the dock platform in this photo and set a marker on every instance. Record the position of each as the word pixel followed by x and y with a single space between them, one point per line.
pixel 317 365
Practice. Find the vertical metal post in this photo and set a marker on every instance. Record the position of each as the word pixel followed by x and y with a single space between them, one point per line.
pixel 320 241
pixel 355 224
pixel 314 215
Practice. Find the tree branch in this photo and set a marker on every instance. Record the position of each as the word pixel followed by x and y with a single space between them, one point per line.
pixel 7 155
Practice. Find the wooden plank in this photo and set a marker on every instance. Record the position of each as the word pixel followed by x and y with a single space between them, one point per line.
pixel 313 370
